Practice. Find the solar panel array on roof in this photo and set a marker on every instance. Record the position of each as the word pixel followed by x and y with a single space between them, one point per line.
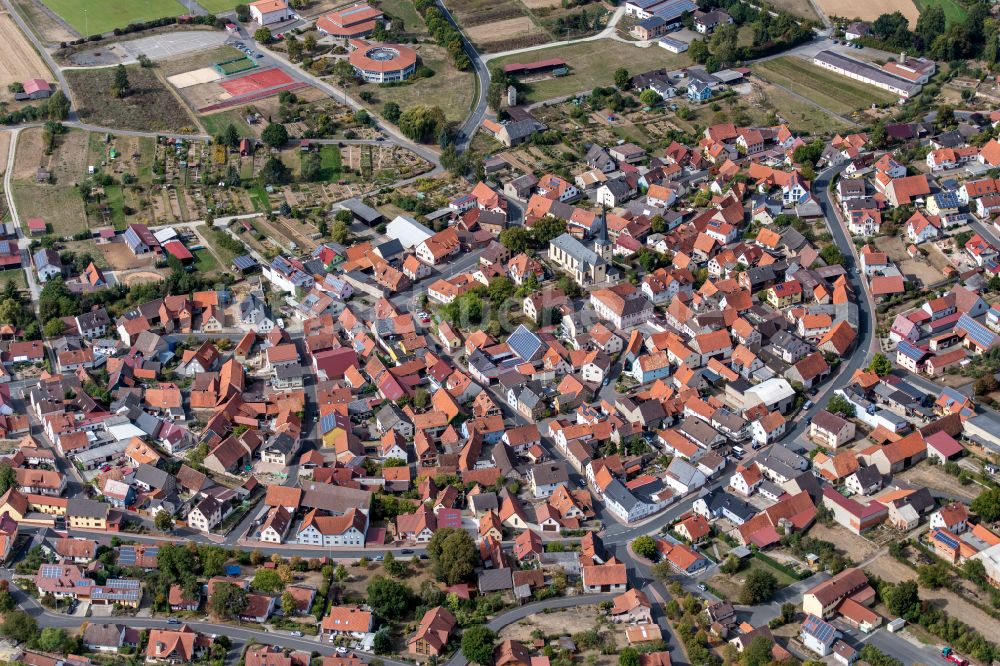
pixel 244 262
pixel 946 540
pixel 51 571
pixel 525 344
pixel 126 556
pixel 822 631
pixel 908 350
pixel 979 334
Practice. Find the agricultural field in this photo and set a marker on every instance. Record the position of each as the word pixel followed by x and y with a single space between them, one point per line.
pixel 590 66
pixel 101 16
pixel 832 92
pixel 497 26
pixel 866 10
pixel 149 106
pixel 448 88
pixel 18 59
pixel 49 29
pixel 801 8
pixel 954 12
pixel 504 34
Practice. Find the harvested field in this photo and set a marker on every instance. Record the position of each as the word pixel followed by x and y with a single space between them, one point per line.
pixel 478 12
pixel 869 11
pixel 503 30
pixel 18 59
pixel 835 93
pixel 194 77
pixel 590 66
pixel 801 8
pixel 48 28
pixel 4 149
pixel 541 4
pixel 150 105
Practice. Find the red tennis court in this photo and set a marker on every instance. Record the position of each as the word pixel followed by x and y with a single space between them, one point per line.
pixel 269 78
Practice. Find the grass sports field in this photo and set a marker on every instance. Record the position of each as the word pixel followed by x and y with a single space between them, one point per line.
pixel 830 91
pixel 953 12
pixel 98 16
pixel 234 66
pixel 219 6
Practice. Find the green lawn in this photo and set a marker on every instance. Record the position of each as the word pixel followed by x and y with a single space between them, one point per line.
pixel 16 276
pixel 757 563
pixel 204 261
pixel 953 12
pixel 404 11
pixel 331 162
pixel 833 92
pixel 218 6
pixel 91 17
pixel 217 123
pixel 591 64
pixel 115 200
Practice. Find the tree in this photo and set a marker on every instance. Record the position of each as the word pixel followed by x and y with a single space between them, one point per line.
pixel 341 232
pixel 758 653
pixel 986 384
pixel 382 641
pixel 645 546
pixel 516 238
pixel 453 555
pixel 340 574
pixel 309 42
pixel 880 365
pixel 51 639
pixel 275 172
pixel 227 600
pixel 243 13
pixel 391 112
pixel 831 255
pixel 267 580
pixel 878 136
pixel 621 78
pixel 902 599
pixel 389 598
pixel 288 604
pixel 987 505
pixel 54 328
pixel 477 644
pixel 840 405
pixel 262 35
pixel 58 106
pixel 758 587
pixel 121 86
pixel 422 123
pixel 974 570
pixel 19 626
pixel 8 478
pixel 311 169
pixel 164 521
pixel 294 47
pixel 934 576
pixel 931 23
pixel 649 97
pixel 275 135
pixel 698 51
pixel 628 656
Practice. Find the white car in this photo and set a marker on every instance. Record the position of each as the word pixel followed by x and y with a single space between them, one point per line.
pixel 342 650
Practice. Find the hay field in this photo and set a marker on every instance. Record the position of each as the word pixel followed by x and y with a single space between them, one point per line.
pixel 522 26
pixel 18 59
pixel 869 11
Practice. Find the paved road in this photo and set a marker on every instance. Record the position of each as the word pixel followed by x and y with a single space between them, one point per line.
pixel 471 124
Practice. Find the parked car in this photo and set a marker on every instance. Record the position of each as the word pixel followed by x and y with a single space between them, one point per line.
pixel 173 620
pixel 406 551
pixel 297 634
pixel 702 587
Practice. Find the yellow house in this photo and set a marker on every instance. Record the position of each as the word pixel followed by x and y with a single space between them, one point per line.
pixel 14 504
pixel 87 514
pixel 53 506
pixel 943 205
pixel 785 294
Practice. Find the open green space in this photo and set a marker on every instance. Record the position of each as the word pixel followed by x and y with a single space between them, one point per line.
pixel 59 205
pixel 16 276
pixel 149 106
pixel 330 160
pixel 835 93
pixel 591 64
pixel 116 202
pixel 204 262
pixel 219 6
pixel 448 88
pixel 405 12
pixel 217 123
pixel 953 11
pixel 99 16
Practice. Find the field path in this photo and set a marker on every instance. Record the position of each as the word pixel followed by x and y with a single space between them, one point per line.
pixel 607 33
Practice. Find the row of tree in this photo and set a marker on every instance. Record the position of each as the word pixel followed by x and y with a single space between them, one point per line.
pixel 444 33
pixel 975 36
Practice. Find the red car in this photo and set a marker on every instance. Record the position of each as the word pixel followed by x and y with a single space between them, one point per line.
pixel 106 468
